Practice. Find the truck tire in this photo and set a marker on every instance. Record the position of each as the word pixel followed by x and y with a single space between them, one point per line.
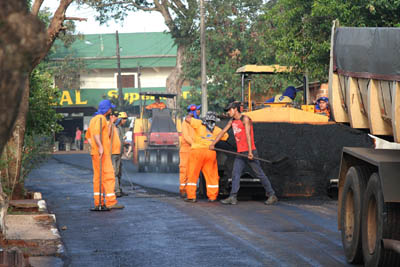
pixel 351 207
pixel 379 220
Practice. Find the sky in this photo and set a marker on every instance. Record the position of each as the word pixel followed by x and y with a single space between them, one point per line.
pixel 135 22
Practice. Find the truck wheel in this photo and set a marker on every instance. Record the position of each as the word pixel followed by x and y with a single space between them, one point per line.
pixel 351 206
pixel 379 220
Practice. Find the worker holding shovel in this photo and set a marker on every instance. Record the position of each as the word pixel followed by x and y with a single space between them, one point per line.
pixel 243 131
pixel 103 172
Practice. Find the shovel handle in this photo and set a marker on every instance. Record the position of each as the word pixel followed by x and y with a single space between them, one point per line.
pixel 100 163
pixel 241 155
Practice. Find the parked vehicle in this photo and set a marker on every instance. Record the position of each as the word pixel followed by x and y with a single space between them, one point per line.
pixel 364 92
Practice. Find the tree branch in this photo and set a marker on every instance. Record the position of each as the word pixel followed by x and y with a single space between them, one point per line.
pixel 75 18
pixel 101 5
pixel 56 25
pixel 36 7
pixel 163 9
pixel 178 11
pixel 179 4
pixel 143 8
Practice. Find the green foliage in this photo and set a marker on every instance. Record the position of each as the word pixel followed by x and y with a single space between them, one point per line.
pixel 37 149
pixel 127 107
pixel 67 71
pixel 181 17
pixel 42 121
pixel 299 31
pixel 233 39
pixel 42 117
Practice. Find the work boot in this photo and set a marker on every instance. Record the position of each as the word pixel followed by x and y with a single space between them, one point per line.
pixel 192 200
pixel 120 194
pixel 230 200
pixel 116 206
pixel 271 200
pixel 182 194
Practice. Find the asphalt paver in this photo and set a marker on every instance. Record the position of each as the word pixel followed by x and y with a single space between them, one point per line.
pixel 157 228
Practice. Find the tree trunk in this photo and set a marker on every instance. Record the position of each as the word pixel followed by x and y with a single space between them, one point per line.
pixel 23 37
pixel 175 78
pixel 14 148
pixel 36 52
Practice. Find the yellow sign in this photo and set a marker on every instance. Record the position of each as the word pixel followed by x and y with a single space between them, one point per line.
pixel 91 97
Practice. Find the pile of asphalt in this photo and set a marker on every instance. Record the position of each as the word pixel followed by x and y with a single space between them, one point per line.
pixel 313 154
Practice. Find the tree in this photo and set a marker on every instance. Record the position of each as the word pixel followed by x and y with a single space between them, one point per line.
pixel 42 117
pixel 299 31
pixel 40 40
pixel 40 128
pixel 22 36
pixel 234 28
pixel 181 18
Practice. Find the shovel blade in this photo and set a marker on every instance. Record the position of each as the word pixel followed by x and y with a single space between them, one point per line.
pixel 100 208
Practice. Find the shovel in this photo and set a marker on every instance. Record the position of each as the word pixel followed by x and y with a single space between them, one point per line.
pixel 245 156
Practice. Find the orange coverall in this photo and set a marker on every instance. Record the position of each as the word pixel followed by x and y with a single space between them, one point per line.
pixel 108 178
pixel 116 143
pixel 184 153
pixel 160 105
pixel 325 112
pixel 203 159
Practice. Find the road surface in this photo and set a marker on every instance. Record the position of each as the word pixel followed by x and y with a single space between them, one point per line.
pixel 157 228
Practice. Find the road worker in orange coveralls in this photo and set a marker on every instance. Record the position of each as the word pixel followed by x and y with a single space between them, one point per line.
pixel 101 150
pixel 116 152
pixel 156 104
pixel 202 158
pixel 188 135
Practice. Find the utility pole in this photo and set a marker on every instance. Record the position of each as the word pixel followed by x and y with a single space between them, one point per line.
pixel 139 73
pixel 119 82
pixel 204 103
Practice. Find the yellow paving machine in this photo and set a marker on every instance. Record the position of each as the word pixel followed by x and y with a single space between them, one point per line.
pixel 311 143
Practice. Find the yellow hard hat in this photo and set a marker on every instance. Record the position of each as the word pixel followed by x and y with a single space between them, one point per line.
pixel 122 115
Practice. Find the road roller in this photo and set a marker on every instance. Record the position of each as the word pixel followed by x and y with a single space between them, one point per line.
pixel 156 135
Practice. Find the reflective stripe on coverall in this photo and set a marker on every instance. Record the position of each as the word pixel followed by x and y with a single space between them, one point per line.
pixel 184 153
pixel 108 178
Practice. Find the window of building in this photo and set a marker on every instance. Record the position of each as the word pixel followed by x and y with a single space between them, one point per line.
pixel 127 80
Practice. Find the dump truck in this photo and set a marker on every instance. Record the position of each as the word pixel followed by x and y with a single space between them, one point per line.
pixel 364 92
pixel 156 137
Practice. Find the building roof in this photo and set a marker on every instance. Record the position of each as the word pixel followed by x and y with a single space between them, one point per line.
pixel 155 49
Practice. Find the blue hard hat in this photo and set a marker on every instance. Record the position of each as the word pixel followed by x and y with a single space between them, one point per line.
pixel 104 106
pixel 323 98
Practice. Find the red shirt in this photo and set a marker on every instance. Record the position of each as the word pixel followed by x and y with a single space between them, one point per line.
pixel 240 136
pixel 78 135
